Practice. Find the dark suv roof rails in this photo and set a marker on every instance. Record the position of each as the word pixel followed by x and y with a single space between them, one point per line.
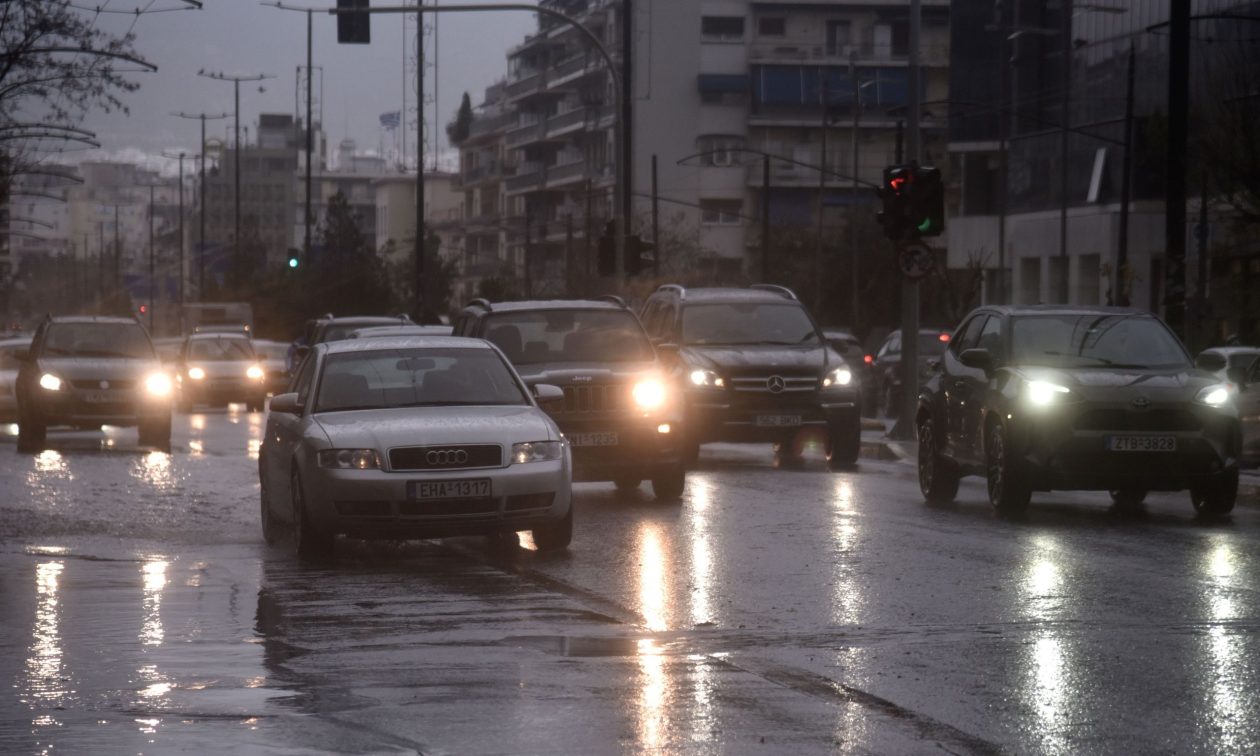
pixel 612 298
pixel 480 302
pixel 682 292
pixel 783 291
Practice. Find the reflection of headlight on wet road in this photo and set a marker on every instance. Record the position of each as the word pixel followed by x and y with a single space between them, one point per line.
pixel 649 394
pixel 158 384
pixel 196 373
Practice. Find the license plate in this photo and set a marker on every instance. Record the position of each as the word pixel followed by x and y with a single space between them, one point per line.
pixel 97 397
pixel 608 438
pixel 1142 443
pixel 777 421
pixel 468 488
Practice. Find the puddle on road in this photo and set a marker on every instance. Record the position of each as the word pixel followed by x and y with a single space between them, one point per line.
pixel 581 647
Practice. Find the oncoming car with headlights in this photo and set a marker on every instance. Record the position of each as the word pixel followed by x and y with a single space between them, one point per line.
pixel 620 412
pixel 218 368
pixel 416 437
pixel 1038 398
pixel 86 372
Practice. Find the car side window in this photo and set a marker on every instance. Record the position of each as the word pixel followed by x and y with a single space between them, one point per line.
pixel 991 339
pixel 665 322
pixel 968 336
pixel 302 382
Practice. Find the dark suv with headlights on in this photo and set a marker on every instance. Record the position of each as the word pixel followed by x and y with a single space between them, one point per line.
pixel 620 412
pixel 86 372
pixel 1040 398
pixel 755 369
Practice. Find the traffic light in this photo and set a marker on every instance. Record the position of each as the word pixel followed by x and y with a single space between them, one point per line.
pixel 353 28
pixel 144 309
pixel 927 202
pixel 293 262
pixel 896 192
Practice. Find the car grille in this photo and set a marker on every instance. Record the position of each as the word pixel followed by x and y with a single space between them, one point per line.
pixel 446 457
pixel 1147 420
pixel 94 384
pixel 761 384
pixel 485 505
pixel 606 398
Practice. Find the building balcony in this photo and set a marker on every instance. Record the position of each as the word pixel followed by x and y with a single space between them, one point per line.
pixel 523 135
pixel 862 54
pixel 567 123
pixel 529 176
pixel 563 175
pixel 489 126
pixel 526 85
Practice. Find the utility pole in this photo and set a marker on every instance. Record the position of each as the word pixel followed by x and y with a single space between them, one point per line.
pixel 310 129
pixel 765 219
pixel 1064 132
pixel 904 427
pixel 626 132
pixel 152 266
pixel 822 189
pixel 236 158
pixel 854 289
pixel 1175 159
pixel 201 191
pixel 1120 277
pixel 421 300
pixel 180 157
pixel 656 224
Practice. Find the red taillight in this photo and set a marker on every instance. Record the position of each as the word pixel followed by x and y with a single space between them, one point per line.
pixel 944 337
pixel 869 359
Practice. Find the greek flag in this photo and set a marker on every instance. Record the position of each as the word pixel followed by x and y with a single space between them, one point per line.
pixel 391 120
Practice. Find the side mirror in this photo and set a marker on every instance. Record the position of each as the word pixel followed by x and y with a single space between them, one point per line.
pixel 549 397
pixel 1210 361
pixel 285 403
pixel 977 359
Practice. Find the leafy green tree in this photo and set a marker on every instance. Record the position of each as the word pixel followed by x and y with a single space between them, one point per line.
pixel 458 130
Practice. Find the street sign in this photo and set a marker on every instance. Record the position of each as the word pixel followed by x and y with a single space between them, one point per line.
pixel 915 260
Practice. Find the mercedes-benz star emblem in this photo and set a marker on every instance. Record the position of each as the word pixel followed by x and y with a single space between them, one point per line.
pixel 104 384
pixel 776 384
pixel 446 457
pixel 1141 403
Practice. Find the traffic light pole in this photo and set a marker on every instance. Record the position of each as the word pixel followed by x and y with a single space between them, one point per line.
pixel 904 428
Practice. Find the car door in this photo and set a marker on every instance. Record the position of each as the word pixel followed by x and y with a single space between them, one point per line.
pixel 992 340
pixel 283 439
pixel 1249 412
pixel 958 389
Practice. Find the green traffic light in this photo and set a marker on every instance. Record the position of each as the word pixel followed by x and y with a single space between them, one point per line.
pixel 293 262
pixel 925 226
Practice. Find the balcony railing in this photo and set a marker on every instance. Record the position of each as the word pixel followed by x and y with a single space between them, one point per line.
pixel 557 123
pixel 524 134
pixel 560 174
pixel 528 176
pixel 931 55
pixel 530 82
pixel 490 124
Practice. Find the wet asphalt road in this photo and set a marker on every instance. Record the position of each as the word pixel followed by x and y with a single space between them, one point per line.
pixel 771 611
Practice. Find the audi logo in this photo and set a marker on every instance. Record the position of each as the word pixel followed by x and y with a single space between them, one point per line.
pixel 446 457
pixel 1141 403
pixel 775 384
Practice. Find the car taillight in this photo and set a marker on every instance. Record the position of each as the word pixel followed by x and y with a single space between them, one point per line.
pixel 868 359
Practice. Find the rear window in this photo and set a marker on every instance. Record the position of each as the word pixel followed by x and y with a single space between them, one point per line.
pixel 530 338
pixel 221 350
pixel 105 340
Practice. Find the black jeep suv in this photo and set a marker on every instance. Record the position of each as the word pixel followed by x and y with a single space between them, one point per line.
pixel 86 372
pixel 620 413
pixel 1038 398
pixel 756 369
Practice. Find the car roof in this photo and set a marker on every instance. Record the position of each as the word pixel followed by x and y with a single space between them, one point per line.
pixel 402 342
pixel 1228 350
pixel 403 329
pixel 717 294
pixel 366 320
pixel 93 319
pixel 1065 310
pixel 552 304
pixel 207 335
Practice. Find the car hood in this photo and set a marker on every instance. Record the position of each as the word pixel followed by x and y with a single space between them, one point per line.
pixel 760 359
pixel 1170 384
pixel 584 373
pixel 422 426
pixel 105 369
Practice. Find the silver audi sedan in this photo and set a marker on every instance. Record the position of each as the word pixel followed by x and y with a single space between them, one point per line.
pixel 413 437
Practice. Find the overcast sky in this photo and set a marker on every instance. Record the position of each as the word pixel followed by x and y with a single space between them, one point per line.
pixel 242 37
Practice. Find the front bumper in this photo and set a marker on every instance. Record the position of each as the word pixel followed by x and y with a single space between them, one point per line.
pixel 120 408
pixel 730 416
pixel 640 447
pixel 1067 448
pixel 374 504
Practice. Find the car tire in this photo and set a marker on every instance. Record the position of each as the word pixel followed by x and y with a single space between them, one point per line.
pixel 1009 491
pixel 938 476
pixel 1216 497
pixel 309 541
pixel 1127 498
pixel 668 485
pixel 32 433
pixel 156 433
pixel 270 525
pixel 627 483
pixel 555 536
pixel 844 443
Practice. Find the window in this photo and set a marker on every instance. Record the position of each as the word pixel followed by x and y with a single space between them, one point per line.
pixel 722 28
pixel 772 26
pixel 719 150
pixel 991 339
pixel 967 336
pixel 837 37
pixel 720 212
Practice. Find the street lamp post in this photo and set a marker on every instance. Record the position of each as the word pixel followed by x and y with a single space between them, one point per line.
pixel 201 190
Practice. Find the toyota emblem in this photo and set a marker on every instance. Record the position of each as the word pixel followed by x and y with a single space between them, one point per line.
pixel 104 384
pixel 1141 403
pixel 439 457
pixel 776 384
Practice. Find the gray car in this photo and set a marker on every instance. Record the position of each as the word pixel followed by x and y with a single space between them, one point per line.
pixel 413 437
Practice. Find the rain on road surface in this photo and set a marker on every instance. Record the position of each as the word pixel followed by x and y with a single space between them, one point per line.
pixel 771 611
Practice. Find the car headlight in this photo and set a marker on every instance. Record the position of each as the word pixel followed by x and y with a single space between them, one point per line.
pixel 1043 393
pixel 1214 396
pixel 648 394
pixel 158 384
pixel 349 459
pixel 841 376
pixel 536 451
pixel 196 373
pixel 706 379
pixel 50 382
pixel 254 373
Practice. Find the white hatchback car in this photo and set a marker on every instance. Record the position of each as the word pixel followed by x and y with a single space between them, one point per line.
pixel 413 437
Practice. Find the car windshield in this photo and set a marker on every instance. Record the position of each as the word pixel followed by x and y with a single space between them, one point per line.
pixel 1095 340
pixel 747 323
pixel 219 350
pixel 530 338
pixel 1241 360
pixel 109 340
pixel 390 378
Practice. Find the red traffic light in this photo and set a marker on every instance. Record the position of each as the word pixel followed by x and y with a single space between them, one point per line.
pixel 144 309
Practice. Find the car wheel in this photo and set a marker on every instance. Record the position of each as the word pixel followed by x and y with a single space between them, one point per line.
pixel 668 485
pixel 1009 491
pixel 938 477
pixel 555 536
pixel 627 483
pixel 844 442
pixel 32 433
pixel 270 526
pixel 1217 496
pixel 311 542
pixel 1127 498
